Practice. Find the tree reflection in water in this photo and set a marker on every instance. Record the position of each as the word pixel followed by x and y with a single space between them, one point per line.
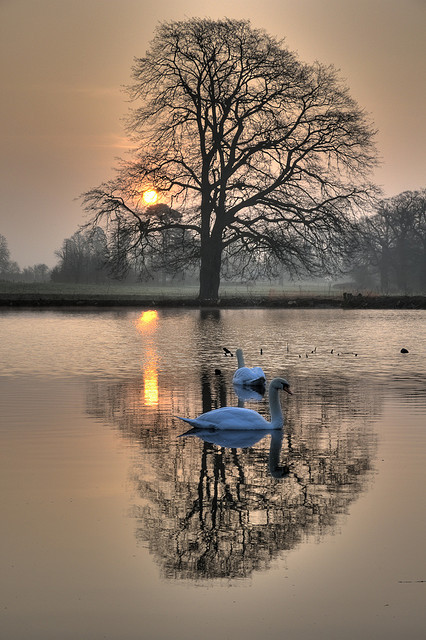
pixel 215 509
pixel 240 439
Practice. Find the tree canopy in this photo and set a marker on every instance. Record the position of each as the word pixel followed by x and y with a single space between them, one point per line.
pixel 391 248
pixel 259 159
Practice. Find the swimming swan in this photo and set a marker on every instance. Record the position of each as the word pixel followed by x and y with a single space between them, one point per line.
pixel 241 418
pixel 252 376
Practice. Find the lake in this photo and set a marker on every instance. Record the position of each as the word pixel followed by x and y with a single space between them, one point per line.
pixel 115 525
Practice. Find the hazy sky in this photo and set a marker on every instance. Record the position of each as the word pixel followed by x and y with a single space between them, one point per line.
pixel 63 63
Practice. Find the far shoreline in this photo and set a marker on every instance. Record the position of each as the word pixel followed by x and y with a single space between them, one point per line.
pixel 345 301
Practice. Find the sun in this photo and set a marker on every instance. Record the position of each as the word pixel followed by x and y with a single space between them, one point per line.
pixel 150 196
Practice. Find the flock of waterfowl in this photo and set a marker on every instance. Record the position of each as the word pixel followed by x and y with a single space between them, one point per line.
pixel 251 378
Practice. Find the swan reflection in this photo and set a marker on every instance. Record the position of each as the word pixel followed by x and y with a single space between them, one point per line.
pixel 247 394
pixel 241 439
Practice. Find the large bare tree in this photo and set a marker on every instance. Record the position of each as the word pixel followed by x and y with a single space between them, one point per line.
pixel 258 158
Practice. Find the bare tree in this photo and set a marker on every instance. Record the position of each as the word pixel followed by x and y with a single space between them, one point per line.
pixel 392 243
pixel 4 256
pixel 37 273
pixel 264 157
pixel 375 247
pixel 419 198
pixel 9 269
pixel 82 258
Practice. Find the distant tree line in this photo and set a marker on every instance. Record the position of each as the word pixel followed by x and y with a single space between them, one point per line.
pixel 90 256
pixel 83 258
pixel 10 270
pixel 389 253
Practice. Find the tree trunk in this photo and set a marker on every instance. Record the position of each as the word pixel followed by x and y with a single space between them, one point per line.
pixel 422 271
pixel 401 266
pixel 211 259
pixel 384 271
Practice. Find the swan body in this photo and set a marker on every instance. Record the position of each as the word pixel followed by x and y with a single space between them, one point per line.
pixel 249 376
pixel 241 418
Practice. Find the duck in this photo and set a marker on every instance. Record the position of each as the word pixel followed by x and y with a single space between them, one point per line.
pixel 247 376
pixel 242 418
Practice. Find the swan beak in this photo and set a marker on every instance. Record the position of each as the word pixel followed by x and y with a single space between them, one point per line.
pixel 288 390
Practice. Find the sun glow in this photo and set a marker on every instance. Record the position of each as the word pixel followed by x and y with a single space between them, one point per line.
pixel 150 196
pixel 146 318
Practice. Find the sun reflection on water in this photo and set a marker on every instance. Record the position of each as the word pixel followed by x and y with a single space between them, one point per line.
pixel 146 323
pixel 150 383
pixel 146 320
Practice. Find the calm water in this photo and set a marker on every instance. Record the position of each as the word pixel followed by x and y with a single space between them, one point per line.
pixel 115 527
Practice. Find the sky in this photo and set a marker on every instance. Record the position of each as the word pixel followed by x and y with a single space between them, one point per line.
pixel 64 63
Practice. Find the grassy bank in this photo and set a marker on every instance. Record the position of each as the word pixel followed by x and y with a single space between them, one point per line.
pixel 49 294
pixel 109 295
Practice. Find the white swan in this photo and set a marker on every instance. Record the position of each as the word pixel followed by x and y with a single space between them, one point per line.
pixel 241 418
pixel 249 376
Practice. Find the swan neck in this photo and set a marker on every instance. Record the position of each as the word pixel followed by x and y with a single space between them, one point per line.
pixel 240 358
pixel 275 408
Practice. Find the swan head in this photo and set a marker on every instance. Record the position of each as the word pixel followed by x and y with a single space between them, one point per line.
pixel 281 384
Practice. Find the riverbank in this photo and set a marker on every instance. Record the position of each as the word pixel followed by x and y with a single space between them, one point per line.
pixel 38 299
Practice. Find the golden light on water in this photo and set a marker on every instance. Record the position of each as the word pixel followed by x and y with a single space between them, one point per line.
pixel 146 318
pixel 150 384
pixel 146 323
pixel 150 196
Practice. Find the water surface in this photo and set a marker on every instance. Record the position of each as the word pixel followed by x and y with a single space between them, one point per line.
pixel 114 526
